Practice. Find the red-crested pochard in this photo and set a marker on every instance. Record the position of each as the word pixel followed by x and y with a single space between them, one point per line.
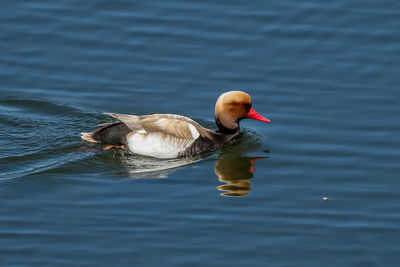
pixel 174 136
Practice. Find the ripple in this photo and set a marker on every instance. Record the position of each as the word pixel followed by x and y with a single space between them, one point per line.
pixel 40 136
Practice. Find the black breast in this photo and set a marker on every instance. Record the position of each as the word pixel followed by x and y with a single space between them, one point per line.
pixel 204 144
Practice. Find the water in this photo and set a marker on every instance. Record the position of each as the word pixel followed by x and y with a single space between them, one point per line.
pixel 317 187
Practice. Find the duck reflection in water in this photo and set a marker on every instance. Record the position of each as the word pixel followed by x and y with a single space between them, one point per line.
pixel 232 169
pixel 236 173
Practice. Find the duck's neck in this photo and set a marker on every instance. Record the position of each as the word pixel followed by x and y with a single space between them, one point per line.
pixel 232 129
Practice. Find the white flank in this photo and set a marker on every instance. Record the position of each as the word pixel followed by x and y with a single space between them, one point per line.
pixel 156 145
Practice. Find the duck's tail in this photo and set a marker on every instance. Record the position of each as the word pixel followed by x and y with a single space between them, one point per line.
pixel 113 133
pixel 88 137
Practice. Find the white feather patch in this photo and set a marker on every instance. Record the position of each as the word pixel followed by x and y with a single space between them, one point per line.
pixel 157 145
pixel 193 130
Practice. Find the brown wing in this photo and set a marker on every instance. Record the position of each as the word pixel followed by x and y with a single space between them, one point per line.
pixel 169 124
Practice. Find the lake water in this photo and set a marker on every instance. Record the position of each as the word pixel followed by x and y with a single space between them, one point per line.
pixel 319 186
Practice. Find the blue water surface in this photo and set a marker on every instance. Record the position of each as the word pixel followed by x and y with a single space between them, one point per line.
pixel 317 187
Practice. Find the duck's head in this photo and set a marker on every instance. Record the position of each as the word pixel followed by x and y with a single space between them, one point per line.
pixel 233 106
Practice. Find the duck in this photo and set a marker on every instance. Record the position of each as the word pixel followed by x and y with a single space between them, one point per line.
pixel 174 136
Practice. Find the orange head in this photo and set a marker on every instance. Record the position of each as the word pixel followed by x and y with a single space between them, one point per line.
pixel 233 106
